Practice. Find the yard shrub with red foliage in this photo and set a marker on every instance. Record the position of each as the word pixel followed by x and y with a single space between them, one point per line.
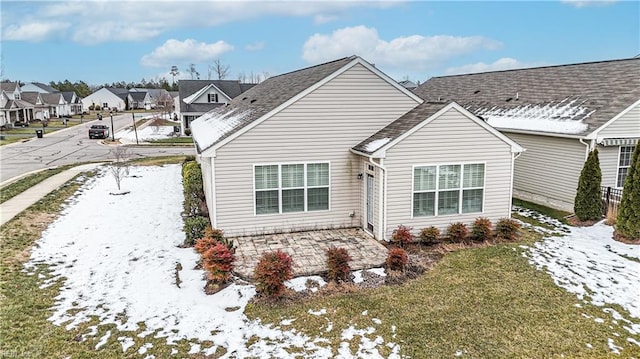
pixel 204 244
pixel 429 234
pixel 397 259
pixel 218 262
pixel 481 229
pixel 273 269
pixel 402 236
pixel 217 234
pixel 507 229
pixel 338 264
pixel 457 232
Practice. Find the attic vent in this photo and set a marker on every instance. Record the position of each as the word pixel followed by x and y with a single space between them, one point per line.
pixel 244 98
pixel 476 91
pixel 252 101
pixel 509 99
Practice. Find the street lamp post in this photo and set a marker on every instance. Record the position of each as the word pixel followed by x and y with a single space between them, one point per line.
pixel 113 139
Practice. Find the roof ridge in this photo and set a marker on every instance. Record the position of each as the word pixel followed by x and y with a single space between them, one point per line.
pixel 318 65
pixel 541 67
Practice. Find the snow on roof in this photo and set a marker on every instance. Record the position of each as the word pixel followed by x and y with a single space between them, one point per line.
pixel 376 144
pixel 561 117
pixel 212 126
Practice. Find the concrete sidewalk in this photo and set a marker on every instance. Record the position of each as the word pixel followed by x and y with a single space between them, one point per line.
pixel 19 203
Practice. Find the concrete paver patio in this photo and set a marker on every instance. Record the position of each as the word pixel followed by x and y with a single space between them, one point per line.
pixel 307 249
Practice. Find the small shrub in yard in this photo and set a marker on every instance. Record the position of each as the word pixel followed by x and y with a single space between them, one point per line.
pixel 194 198
pixel 457 232
pixel 507 228
pixel 338 264
pixel 218 262
pixel 429 234
pixel 402 235
pixel 628 221
pixel 588 204
pixel 194 229
pixel 217 234
pixel 481 229
pixel 397 259
pixel 273 269
pixel 204 244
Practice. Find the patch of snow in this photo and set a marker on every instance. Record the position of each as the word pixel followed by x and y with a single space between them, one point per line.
pixel 458 353
pixel 375 145
pixel 103 339
pixel 322 311
pixel 299 284
pixel 366 312
pixel 120 269
pixel 195 348
pixel 174 351
pixel 599 320
pixel 210 127
pixel 634 341
pixel 565 116
pixel 287 321
pixel 146 133
pixel 376 320
pixel 613 347
pixel 590 264
pixel 329 327
pixel 589 346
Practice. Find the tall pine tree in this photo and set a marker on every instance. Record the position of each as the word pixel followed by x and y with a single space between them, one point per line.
pixel 628 221
pixel 588 202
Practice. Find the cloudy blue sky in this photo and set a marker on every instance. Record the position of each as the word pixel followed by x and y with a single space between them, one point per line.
pixel 106 41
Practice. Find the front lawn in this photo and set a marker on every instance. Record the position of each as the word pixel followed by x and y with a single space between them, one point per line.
pixel 120 274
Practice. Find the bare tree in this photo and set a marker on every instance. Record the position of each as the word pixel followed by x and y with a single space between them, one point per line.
pixel 119 167
pixel 193 72
pixel 174 72
pixel 220 69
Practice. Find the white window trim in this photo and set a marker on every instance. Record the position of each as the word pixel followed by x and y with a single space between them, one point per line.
pixel 306 187
pixel 618 167
pixel 461 188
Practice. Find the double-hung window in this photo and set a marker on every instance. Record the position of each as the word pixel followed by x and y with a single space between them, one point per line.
pixel 288 188
pixel 448 189
pixel 623 164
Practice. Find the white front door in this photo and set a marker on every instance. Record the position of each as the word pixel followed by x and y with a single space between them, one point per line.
pixel 370 204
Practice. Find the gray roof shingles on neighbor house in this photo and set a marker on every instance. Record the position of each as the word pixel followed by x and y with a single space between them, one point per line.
pixel 599 90
pixel 231 88
pixel 263 98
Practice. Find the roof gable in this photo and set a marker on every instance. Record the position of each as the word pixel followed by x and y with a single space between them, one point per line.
pixel 198 94
pixel 32 97
pixel 272 95
pixel 420 116
pixel 569 100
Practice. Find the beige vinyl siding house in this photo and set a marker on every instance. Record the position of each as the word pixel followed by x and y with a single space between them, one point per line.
pixel 559 114
pixel 288 155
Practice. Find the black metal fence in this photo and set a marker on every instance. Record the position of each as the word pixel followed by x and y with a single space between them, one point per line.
pixel 611 198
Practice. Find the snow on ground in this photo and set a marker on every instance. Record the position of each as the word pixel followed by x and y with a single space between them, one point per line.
pixel 116 257
pixel 146 133
pixel 586 261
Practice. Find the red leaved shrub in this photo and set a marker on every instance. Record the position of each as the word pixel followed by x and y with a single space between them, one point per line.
pixel 430 234
pixel 481 229
pixel 338 264
pixel 273 269
pixel 218 261
pixel 204 244
pixel 457 232
pixel 507 229
pixel 402 235
pixel 397 259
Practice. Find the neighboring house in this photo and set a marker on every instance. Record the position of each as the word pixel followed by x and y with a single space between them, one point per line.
pixel 58 106
pixel 138 100
pixel 72 105
pixel 74 102
pixel 38 87
pixel 15 110
pixel 559 114
pixel 408 84
pixel 40 108
pixel 107 97
pixel 343 145
pixel 196 97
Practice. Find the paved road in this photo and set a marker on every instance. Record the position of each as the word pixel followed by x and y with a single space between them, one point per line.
pixel 68 146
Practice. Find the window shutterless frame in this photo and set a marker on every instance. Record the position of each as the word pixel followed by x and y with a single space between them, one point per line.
pixel 280 188
pixel 438 191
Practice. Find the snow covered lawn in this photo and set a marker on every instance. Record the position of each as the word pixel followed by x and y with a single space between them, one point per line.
pixel 117 258
pixel 146 133
pixel 586 261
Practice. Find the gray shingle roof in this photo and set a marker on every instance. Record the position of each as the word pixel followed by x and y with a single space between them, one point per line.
pixel 264 97
pixel 68 96
pixel 51 98
pixel 399 127
pixel 602 89
pixel 120 92
pixel 30 96
pixel 187 88
pixel 8 86
pixel 44 87
pixel 138 96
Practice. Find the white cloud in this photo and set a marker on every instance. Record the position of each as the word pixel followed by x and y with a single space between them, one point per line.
pixel 187 51
pixel 323 19
pixel 256 46
pixel 34 31
pixel 414 53
pixel 585 3
pixel 505 63
pixel 94 22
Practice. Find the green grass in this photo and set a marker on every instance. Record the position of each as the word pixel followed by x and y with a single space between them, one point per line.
pixel 487 301
pixel 14 139
pixel 173 140
pixel 547 211
pixel 13 189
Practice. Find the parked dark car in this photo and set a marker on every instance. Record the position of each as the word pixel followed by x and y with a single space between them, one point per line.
pixel 99 131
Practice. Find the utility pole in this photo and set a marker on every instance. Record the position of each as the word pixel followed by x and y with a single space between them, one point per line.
pixel 134 127
pixel 113 130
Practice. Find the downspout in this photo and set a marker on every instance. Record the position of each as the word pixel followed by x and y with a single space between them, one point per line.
pixel 514 156
pixel 381 197
pixel 588 149
pixel 214 218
